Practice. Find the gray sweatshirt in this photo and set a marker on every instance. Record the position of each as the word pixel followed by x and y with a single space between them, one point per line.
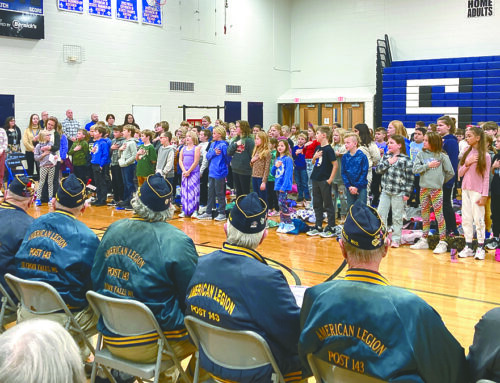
pixel 433 178
pixel 128 155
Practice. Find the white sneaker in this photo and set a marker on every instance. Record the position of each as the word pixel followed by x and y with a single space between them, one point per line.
pixel 280 228
pixel 182 215
pixel 204 216
pixel 480 254
pixel 442 247
pixel 195 215
pixel 220 217
pixel 421 244
pixel 202 209
pixel 466 252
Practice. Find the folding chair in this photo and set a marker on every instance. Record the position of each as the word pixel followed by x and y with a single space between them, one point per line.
pixel 326 372
pixel 8 312
pixel 40 298
pixel 235 349
pixel 14 165
pixel 127 317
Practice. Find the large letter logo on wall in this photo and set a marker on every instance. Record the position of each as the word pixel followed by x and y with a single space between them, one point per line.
pixel 419 97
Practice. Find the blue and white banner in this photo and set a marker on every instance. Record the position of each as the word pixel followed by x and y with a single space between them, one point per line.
pixel 100 8
pixel 127 10
pixel 70 5
pixel 25 6
pixel 151 12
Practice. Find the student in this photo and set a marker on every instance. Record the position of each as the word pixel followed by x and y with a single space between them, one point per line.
pixel 354 170
pixel 375 187
pixel 79 152
pixel 397 183
pixel 416 147
pixel 166 157
pixel 338 183
pixel 490 128
pixel 474 171
pixel 260 163
pixel 146 157
pixel 47 163
pixel 205 136
pixel 127 164
pixel 189 161
pixel 217 173
pixel 309 149
pixel 325 166
pixel 116 171
pixel 272 198
pixel 283 173
pixel 241 150
pixel 300 169
pixel 100 155
pixel 494 243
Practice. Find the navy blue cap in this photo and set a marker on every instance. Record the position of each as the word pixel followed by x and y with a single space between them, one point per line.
pixel 155 193
pixel 363 227
pixel 22 186
pixel 249 214
pixel 71 192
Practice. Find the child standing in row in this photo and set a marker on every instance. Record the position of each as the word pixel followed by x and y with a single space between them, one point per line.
pixel 47 165
pixel 189 162
pixel 375 187
pixel 397 183
pixel 435 169
pixel 474 170
pixel 283 173
pixel 146 157
pixel 126 161
pixel 495 201
pixel 300 169
pixel 79 152
pixel 166 157
pixel 272 199
pixel 260 163
pixel 338 182
pixel 116 172
pixel 325 166
pixel 354 170
pixel 100 159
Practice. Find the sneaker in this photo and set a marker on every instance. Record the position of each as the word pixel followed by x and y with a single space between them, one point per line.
pixel 38 203
pixel 421 244
pixel 497 255
pixel 204 216
pixel 492 243
pixel 122 203
pixel 315 231
pixel 288 228
pixel 182 214
pixel 112 203
pixel 480 254
pixel 280 228
pixel 466 252
pixel 220 217
pixel 395 245
pixel 128 207
pixel 442 247
pixel 196 214
pixel 327 232
pixel 202 209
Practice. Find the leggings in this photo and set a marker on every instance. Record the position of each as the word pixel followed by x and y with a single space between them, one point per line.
pixel 44 173
pixel 284 212
pixel 434 198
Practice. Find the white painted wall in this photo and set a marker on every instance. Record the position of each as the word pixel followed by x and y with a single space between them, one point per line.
pixel 131 64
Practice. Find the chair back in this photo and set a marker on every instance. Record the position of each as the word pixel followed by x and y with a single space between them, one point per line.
pixel 8 308
pixel 326 372
pixel 125 317
pixel 35 296
pixel 234 349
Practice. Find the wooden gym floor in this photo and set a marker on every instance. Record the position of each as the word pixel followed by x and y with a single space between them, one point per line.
pixel 461 292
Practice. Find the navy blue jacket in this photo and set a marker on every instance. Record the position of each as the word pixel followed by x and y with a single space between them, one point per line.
pixel 234 288
pixel 355 170
pixel 299 159
pixel 217 167
pixel 450 146
pixel 15 224
pixel 59 250
pixel 101 156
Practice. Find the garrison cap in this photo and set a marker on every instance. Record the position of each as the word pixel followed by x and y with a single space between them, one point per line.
pixel 72 192
pixel 363 227
pixel 155 193
pixel 22 186
pixel 249 214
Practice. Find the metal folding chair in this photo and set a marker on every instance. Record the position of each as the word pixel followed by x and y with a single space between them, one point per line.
pixel 235 349
pixel 8 311
pixel 127 317
pixel 326 372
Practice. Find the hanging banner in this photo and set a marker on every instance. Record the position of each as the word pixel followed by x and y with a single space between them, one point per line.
pixel 100 8
pixel 127 10
pixel 151 12
pixel 70 5
pixel 479 8
pixel 30 6
pixel 21 25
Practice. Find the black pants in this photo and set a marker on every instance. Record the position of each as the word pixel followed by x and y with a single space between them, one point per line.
pixel 204 188
pixel 415 194
pixel 495 215
pixel 32 164
pixel 81 172
pixel 375 187
pixel 100 183
pixel 323 201
pixel 449 214
pixel 272 198
pixel 241 183
pixel 117 182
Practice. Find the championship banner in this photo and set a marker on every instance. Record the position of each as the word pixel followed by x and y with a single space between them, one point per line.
pixel 21 25
pixel 25 6
pixel 127 10
pixel 70 5
pixel 151 12
pixel 100 8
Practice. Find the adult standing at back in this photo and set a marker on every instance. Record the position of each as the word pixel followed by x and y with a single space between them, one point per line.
pixel 446 129
pixel 70 126
pixel 13 134
pixel 30 139
pixel 94 118
pixel 241 150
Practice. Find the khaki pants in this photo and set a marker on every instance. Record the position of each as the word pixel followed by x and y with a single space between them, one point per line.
pixel 85 318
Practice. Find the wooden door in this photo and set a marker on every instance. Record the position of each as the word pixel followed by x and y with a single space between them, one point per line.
pixel 288 114
pixel 352 114
pixel 330 113
pixel 308 114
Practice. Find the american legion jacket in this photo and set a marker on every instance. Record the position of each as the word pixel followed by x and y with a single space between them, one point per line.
pixel 151 262
pixel 59 250
pixel 363 324
pixel 234 288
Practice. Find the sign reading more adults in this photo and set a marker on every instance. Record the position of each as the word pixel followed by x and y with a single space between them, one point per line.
pixel 479 8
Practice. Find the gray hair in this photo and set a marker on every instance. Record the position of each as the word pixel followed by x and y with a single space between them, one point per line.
pixel 248 241
pixel 362 255
pixel 145 212
pixel 73 210
pixel 39 350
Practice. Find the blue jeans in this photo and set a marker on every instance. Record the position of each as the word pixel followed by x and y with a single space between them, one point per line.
pixel 301 181
pixel 351 198
pixel 310 167
pixel 128 173
pixel 256 182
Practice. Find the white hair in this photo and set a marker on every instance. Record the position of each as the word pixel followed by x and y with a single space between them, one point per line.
pixel 248 241
pixel 145 212
pixel 362 255
pixel 39 350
